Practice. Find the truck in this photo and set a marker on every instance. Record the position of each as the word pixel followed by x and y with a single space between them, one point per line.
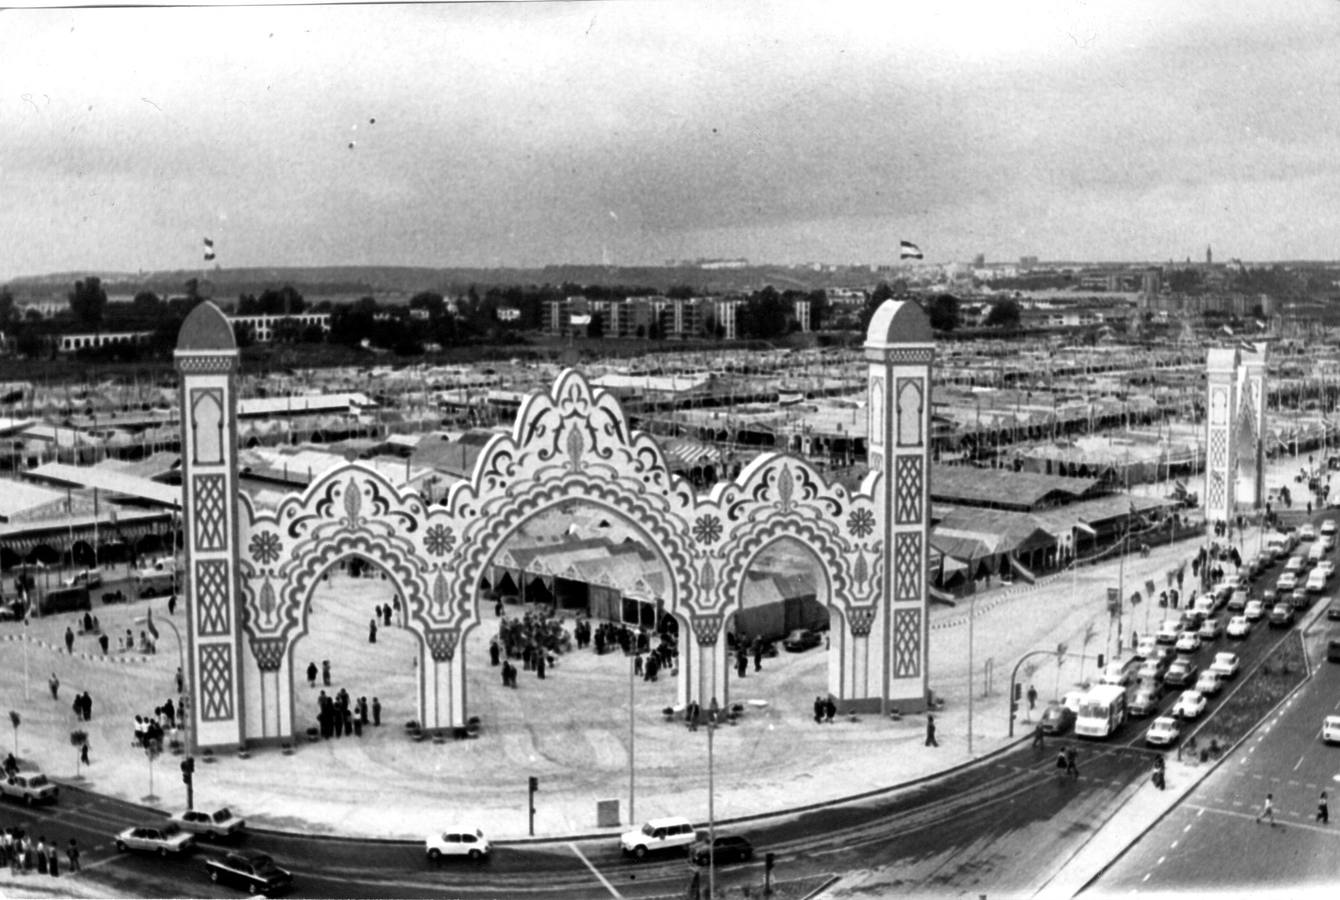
pixel 28 788
pixel 1101 711
pixel 64 600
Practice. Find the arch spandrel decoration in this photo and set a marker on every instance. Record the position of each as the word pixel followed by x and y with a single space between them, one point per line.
pixel 572 443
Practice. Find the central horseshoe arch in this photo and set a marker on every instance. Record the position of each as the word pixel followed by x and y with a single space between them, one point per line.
pixel 251 572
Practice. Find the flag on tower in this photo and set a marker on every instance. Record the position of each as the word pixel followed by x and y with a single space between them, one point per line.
pixel 908 250
pixel 209 249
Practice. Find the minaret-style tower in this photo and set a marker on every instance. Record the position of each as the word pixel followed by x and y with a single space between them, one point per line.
pixel 1221 468
pixel 899 349
pixel 207 363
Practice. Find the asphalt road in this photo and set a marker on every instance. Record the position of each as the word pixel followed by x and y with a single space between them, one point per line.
pixel 1212 842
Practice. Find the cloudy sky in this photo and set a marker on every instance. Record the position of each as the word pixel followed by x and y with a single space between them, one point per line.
pixel 639 132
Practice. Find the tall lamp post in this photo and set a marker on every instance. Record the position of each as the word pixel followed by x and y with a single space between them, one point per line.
pixel 181 664
pixel 712 712
pixel 632 663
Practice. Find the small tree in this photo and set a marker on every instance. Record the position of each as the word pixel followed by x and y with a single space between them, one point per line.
pixel 1060 661
pixel 14 720
pixel 77 740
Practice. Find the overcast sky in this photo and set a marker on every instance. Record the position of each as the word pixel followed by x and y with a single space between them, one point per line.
pixel 638 132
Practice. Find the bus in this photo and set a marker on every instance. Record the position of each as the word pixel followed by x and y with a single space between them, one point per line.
pixel 1101 711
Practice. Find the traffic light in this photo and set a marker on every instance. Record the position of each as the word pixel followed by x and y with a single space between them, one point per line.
pixel 1101 659
pixel 1014 700
pixel 187 769
pixel 534 784
pixel 769 860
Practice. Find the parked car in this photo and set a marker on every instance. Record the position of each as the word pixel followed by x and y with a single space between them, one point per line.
pixel 1181 673
pixel 1210 629
pixel 1057 719
pixel 161 839
pixel 1146 699
pixel 467 842
pixel 1188 642
pixel 1281 615
pixel 658 835
pixel 256 872
pixel 1330 729
pixel 1163 732
pixel 1226 664
pixel 29 788
pixel 1189 705
pixel 1209 683
pixel 727 848
pixel 801 639
pixel 1239 627
pixel 218 824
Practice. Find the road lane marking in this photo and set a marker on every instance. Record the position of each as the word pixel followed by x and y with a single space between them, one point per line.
pixel 1160 862
pixel 1174 844
pixel 1300 762
pixel 594 871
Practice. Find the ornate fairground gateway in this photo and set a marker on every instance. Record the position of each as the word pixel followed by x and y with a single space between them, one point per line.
pixel 250 573
pixel 1235 430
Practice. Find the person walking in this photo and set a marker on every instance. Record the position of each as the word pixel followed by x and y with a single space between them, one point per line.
pixel 311 674
pixel 1032 698
pixel 69 640
pixel 41 852
pixel 72 854
pixel 818 710
pixel 1039 742
pixel 83 753
pixel 104 641
pixel 1071 768
pixel 930 731
pixel 376 712
pixel 53 860
pixel 1323 810
pixel 1267 810
pixel 372 631
pixel 181 681
pixel 54 683
pixel 830 710
pixel 325 672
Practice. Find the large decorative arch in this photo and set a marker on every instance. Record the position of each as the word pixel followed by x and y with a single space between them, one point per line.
pixel 250 573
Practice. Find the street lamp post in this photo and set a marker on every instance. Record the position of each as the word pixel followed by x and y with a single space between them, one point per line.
pixel 632 663
pixel 181 664
pixel 712 712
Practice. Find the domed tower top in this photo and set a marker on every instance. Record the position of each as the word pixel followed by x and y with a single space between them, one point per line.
pixel 206 329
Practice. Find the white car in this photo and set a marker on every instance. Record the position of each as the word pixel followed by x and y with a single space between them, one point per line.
pixel 161 839
pixel 1209 683
pixel 1168 631
pixel 1189 705
pixel 1145 648
pixel 1330 730
pixel 1210 629
pixel 1328 527
pixel 1238 627
pixel 1188 642
pixel 1226 664
pixel 467 842
pixel 1326 566
pixel 1255 611
pixel 1328 541
pixel 1115 673
pixel 1306 532
pixel 1316 581
pixel 658 834
pixel 1286 582
pixel 218 824
pixel 1295 565
pixel 1163 731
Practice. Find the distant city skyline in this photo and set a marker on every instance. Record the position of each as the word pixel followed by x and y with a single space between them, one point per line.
pixel 633 133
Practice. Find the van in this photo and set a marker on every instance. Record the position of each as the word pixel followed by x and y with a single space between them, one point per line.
pixel 658 835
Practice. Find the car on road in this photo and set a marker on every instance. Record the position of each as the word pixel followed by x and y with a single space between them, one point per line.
pixel 1152 669
pixel 1281 615
pixel 1238 627
pixel 467 842
pixel 801 639
pixel 1188 642
pixel 1146 699
pixel 1257 564
pixel 1306 532
pixel 1238 602
pixel 1226 664
pixel 1189 705
pixel 1169 631
pixel 1300 599
pixel 29 788
pixel 1163 732
pixel 1145 648
pixel 161 839
pixel 256 872
pixel 727 848
pixel 220 823
pixel 658 835
pixel 1326 566
pixel 1327 541
pixel 1209 683
pixel 1333 610
pixel 1115 673
pixel 1211 628
pixel 1328 526
pixel 1286 582
pixel 1330 729
pixel 1316 581
pixel 1181 673
pixel 1057 719
pixel 1296 565
pixel 1255 611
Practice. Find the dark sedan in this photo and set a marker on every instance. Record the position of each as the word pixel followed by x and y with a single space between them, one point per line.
pixel 728 849
pixel 801 639
pixel 1281 615
pixel 255 872
pixel 1057 719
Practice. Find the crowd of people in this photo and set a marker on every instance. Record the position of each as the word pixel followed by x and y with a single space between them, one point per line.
pixel 340 715
pixel 22 854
